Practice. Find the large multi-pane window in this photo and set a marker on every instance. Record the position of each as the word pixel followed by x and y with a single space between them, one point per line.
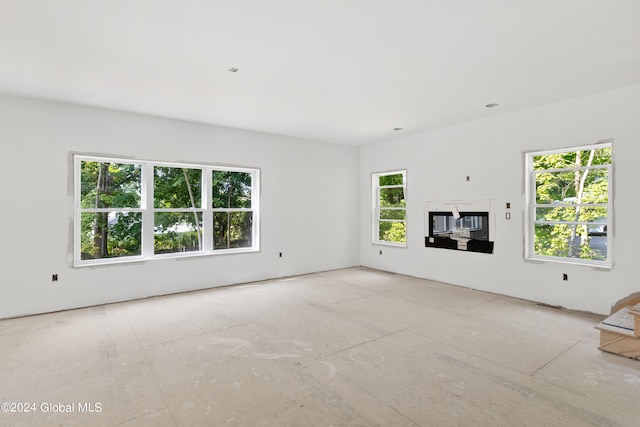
pixel 569 194
pixel 135 210
pixel 389 208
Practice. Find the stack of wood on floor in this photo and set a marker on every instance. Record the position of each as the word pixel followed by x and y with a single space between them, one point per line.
pixel 620 332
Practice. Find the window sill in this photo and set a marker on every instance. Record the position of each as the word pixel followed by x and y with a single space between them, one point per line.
pixel 598 265
pixel 392 244
pixel 173 256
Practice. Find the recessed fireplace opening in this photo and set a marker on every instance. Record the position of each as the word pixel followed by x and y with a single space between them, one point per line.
pixel 449 226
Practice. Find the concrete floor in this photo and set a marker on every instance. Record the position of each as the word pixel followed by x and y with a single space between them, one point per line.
pixel 351 347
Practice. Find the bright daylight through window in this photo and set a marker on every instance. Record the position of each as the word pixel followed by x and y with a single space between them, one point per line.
pixel 390 208
pixel 136 210
pixel 569 195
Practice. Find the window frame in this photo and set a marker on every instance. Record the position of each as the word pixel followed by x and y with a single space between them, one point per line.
pixel 148 210
pixel 229 210
pixel 376 209
pixel 530 220
pixel 150 194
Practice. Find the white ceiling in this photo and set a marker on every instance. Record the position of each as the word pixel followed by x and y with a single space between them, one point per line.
pixel 341 71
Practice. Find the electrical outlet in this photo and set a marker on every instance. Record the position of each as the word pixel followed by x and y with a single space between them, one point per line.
pixel 54 277
pixel 380 251
pixel 280 255
pixel 565 276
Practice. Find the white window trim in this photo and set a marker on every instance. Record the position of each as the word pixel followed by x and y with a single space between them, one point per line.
pixel 530 205
pixel 375 193
pixel 148 210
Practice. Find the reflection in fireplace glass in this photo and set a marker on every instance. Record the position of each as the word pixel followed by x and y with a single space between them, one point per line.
pixel 474 225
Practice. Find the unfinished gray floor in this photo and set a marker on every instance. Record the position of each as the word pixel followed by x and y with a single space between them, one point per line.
pixel 350 347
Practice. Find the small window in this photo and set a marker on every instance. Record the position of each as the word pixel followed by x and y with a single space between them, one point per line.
pixel 139 210
pixel 389 208
pixel 569 196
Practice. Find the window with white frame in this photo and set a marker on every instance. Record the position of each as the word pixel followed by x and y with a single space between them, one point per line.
pixel 569 199
pixel 131 210
pixel 390 208
pixel 232 214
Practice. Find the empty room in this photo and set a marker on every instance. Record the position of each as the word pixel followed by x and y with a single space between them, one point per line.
pixel 319 213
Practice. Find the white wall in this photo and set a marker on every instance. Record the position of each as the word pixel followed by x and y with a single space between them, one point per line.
pixel 310 204
pixel 490 151
pixel 315 202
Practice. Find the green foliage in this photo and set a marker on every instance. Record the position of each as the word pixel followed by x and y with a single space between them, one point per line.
pixel 177 232
pixel 602 156
pixel 232 229
pixel 117 186
pixel 177 188
pixel 568 184
pixel 393 232
pixel 110 185
pixel 395 179
pixel 171 190
pixel 392 206
pixel 175 241
pixel 392 198
pixel 108 235
pixel 105 185
pixel 232 190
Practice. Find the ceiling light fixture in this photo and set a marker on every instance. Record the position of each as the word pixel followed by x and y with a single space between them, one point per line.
pixel 232 70
pixel 491 105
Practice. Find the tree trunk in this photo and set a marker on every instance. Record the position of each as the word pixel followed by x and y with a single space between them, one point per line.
pixel 580 181
pixel 101 220
pixel 193 205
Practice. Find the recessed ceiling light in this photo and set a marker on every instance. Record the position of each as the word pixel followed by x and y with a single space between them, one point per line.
pixel 491 105
pixel 397 128
pixel 233 70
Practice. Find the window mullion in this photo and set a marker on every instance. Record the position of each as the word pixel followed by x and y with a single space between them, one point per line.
pixel 148 214
pixel 255 206
pixel 207 215
pixel 77 185
pixel 570 169
pixel 376 231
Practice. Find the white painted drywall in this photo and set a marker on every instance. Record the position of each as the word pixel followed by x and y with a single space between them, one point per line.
pixel 490 152
pixel 315 202
pixel 310 204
